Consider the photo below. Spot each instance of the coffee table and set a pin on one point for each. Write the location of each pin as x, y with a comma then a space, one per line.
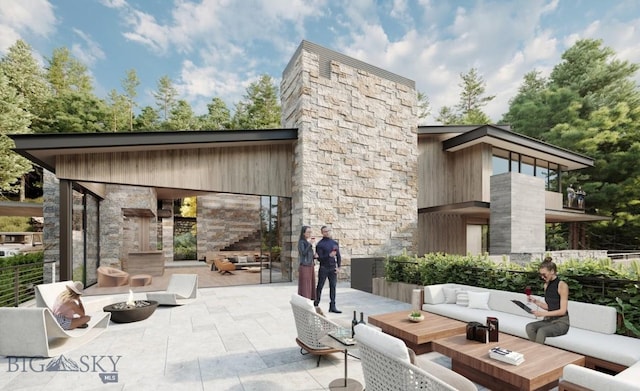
540, 371
418, 335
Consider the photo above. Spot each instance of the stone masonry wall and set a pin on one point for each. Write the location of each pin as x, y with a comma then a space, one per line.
356, 156
113, 223
224, 219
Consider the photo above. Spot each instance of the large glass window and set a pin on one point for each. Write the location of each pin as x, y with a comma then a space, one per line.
505, 161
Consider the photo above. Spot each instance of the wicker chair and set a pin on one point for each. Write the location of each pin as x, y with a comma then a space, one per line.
311, 327
386, 365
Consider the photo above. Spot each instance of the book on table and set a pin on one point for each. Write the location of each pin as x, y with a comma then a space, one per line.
505, 355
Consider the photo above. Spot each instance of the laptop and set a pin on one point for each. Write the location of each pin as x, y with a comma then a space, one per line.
523, 306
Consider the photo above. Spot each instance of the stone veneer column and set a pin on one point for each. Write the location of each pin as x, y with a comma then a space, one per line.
517, 223
356, 156
51, 226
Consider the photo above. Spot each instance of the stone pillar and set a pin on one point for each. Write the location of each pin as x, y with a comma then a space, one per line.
167, 231
517, 222
51, 226
356, 156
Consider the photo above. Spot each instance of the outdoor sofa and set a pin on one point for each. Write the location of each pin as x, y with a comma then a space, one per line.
577, 378
592, 331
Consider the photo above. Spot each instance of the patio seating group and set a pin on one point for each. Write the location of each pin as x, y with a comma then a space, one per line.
592, 331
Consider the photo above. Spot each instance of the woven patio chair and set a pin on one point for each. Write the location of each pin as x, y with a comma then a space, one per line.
311, 327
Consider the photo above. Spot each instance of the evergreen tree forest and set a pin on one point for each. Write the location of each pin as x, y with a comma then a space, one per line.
589, 104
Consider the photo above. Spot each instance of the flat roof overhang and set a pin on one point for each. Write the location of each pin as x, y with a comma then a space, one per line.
23, 209
482, 210
503, 138
43, 149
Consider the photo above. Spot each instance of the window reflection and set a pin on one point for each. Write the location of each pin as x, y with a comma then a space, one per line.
506, 161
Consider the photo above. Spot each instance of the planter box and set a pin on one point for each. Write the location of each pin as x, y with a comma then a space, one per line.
400, 291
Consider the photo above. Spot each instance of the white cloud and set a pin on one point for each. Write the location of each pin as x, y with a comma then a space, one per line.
19, 19
88, 53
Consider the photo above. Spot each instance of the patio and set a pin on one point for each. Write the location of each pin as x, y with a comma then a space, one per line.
231, 338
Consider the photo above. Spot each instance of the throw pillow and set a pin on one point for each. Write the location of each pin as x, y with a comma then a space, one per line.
462, 298
450, 294
479, 300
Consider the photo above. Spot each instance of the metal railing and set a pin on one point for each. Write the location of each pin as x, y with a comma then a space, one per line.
17, 282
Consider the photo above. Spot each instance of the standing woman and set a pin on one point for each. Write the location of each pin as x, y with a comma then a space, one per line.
555, 304
306, 272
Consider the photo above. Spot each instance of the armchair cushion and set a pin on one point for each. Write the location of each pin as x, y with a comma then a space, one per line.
385, 343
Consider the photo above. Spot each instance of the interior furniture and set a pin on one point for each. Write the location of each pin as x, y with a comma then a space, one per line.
110, 277
576, 378
182, 289
388, 365
541, 369
140, 280
592, 332
311, 327
240, 259
417, 336
144, 262
224, 267
35, 332
125, 313
345, 383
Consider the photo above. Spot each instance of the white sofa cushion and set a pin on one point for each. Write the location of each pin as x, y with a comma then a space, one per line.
479, 300
462, 298
592, 317
609, 347
450, 294
382, 342
303, 302
598, 381
433, 294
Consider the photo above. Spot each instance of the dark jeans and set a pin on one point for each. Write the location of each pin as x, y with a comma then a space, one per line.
323, 274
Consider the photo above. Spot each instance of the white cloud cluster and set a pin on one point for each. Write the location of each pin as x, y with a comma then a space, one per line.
21, 18
221, 46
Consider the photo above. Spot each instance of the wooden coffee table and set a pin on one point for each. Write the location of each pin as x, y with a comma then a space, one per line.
540, 371
418, 335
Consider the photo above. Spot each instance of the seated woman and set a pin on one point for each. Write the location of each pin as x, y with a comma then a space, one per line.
556, 301
68, 308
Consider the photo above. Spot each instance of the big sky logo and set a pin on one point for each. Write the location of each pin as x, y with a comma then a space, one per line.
104, 366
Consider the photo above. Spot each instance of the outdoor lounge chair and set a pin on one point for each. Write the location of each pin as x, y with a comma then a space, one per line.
182, 289
110, 276
35, 332
224, 267
311, 327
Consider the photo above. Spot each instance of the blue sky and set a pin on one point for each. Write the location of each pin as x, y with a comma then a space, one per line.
216, 48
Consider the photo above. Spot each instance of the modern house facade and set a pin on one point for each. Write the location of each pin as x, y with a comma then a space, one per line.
350, 155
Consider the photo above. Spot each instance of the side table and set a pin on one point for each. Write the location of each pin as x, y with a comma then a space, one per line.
345, 384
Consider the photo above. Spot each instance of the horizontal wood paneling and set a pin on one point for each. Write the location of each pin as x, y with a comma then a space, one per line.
258, 169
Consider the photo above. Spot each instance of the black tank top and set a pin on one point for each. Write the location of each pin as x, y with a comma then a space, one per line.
551, 295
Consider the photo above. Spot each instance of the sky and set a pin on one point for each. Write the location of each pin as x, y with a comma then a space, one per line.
217, 48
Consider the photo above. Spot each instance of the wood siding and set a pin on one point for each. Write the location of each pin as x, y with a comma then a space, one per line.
257, 169
452, 177
442, 233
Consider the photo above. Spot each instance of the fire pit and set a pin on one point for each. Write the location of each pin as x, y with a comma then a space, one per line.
131, 310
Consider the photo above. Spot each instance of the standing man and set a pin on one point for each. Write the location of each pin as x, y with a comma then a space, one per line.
329, 255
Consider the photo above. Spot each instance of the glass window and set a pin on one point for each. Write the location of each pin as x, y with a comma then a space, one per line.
526, 165
500, 161
553, 182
